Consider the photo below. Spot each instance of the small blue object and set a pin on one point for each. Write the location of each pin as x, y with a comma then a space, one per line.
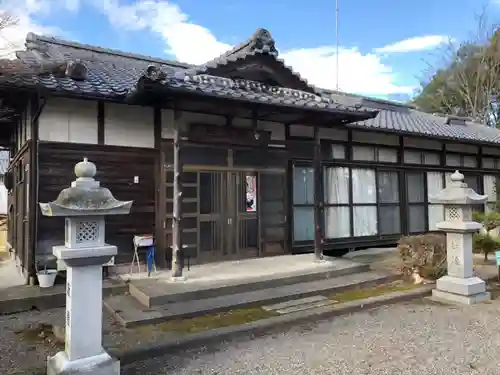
151, 258
497, 256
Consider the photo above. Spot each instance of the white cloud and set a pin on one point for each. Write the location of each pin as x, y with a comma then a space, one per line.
418, 43
188, 42
192, 43
13, 37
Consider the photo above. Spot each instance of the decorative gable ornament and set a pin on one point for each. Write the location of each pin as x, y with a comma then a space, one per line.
263, 41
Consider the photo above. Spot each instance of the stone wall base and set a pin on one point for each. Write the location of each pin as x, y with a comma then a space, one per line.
101, 364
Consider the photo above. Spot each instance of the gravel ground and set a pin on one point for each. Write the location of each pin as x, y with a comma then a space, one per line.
413, 338
21, 355
419, 337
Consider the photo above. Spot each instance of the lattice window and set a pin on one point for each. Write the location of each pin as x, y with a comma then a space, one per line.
453, 213
87, 231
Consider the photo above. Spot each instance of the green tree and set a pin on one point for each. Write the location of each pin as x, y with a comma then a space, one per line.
468, 78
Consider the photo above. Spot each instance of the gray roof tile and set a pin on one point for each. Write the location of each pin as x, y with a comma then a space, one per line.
406, 119
115, 74
261, 43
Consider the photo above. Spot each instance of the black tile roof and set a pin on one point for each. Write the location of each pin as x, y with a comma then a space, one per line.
401, 118
114, 74
261, 43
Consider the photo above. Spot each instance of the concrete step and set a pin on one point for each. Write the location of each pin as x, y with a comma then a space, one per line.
129, 312
156, 292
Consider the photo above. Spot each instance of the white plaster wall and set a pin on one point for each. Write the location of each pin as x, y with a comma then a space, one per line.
126, 125
69, 120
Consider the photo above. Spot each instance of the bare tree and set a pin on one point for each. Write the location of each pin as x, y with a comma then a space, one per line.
7, 20
467, 78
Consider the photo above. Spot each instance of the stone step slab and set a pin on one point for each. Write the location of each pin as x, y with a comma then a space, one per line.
304, 306
294, 302
129, 312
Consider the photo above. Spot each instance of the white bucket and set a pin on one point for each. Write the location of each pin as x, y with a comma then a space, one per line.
47, 278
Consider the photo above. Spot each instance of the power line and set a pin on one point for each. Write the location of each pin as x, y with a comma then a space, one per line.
337, 43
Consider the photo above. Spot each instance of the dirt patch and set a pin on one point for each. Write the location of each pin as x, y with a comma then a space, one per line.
42, 334
362, 293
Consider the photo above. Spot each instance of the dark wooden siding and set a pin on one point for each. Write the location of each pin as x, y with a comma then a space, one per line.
18, 208
116, 168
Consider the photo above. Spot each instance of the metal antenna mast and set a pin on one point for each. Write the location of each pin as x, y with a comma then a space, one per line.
337, 43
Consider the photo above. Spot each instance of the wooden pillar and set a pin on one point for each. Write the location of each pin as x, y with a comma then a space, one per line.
160, 196
177, 257
318, 238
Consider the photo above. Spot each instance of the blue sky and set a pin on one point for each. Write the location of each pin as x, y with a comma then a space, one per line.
384, 44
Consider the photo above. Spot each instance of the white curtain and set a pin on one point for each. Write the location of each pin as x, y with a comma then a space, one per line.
337, 219
337, 222
365, 221
434, 186
364, 191
337, 186
363, 186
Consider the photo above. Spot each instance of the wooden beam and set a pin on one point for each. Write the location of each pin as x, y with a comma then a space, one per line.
157, 126
160, 193
318, 237
100, 123
37, 105
177, 256
229, 121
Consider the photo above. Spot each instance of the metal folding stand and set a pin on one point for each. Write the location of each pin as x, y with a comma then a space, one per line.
142, 241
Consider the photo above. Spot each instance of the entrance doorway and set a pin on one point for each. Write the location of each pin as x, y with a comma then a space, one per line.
229, 220
229, 212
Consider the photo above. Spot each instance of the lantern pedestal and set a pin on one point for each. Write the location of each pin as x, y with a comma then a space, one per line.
465, 291
101, 364
84, 206
83, 353
459, 285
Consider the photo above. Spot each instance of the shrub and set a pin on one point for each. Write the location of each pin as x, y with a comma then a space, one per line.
425, 253
485, 243
490, 220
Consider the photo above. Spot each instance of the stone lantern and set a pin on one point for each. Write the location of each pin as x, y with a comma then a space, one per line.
459, 285
84, 205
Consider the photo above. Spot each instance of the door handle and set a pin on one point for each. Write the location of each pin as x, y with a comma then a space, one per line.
230, 221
